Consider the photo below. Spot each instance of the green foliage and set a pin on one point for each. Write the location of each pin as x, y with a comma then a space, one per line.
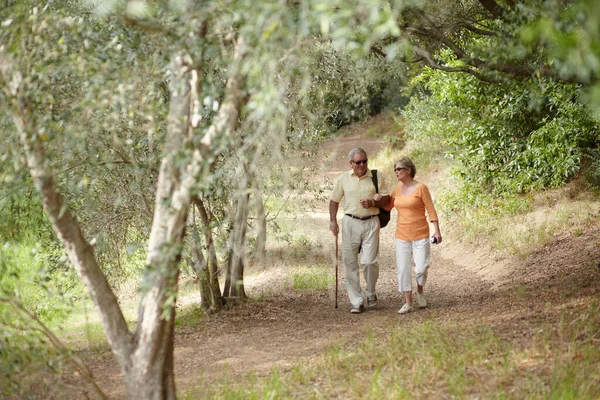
593, 170
510, 138
99, 101
23, 358
570, 35
21, 213
38, 279
347, 88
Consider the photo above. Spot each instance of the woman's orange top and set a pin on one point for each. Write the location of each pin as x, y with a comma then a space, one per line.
412, 223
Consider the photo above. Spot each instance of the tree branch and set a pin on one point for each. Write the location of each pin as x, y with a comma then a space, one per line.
436, 65
477, 67
479, 31
146, 26
493, 7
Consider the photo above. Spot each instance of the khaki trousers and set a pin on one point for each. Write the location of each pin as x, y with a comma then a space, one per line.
363, 235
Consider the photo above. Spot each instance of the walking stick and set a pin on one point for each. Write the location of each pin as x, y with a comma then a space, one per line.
336, 270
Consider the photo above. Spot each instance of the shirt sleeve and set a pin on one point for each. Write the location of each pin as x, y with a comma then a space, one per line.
338, 191
429, 204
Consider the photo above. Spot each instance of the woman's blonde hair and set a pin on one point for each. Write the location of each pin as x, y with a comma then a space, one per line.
406, 162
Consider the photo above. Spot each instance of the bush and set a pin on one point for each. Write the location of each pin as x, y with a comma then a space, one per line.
348, 89
39, 280
513, 137
593, 171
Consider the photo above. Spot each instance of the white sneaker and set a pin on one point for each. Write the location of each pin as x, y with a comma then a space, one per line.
357, 310
421, 300
406, 308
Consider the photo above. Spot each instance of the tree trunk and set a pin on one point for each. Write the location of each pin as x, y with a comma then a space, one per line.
228, 268
259, 252
151, 375
80, 252
146, 358
216, 298
199, 264
239, 248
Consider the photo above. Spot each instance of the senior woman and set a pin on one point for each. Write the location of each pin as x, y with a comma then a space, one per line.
412, 200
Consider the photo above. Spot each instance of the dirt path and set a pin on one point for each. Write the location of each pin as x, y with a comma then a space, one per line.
287, 327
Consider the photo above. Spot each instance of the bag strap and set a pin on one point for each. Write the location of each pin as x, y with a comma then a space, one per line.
374, 172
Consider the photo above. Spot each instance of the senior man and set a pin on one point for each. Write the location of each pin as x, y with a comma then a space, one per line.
360, 227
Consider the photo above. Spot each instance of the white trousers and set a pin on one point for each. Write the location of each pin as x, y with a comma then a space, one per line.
417, 250
363, 235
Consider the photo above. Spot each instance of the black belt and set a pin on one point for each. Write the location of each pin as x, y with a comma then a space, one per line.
361, 218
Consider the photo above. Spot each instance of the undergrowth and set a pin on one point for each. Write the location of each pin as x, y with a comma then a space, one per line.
443, 359
309, 278
510, 222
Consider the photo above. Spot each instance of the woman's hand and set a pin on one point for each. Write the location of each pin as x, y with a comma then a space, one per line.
437, 233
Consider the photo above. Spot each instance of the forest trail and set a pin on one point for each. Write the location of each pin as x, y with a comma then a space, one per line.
280, 327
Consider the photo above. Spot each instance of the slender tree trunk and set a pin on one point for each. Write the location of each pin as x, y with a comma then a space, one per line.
153, 353
216, 299
199, 264
239, 248
229, 262
259, 252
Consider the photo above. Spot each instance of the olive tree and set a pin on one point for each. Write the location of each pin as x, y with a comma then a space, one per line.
54, 105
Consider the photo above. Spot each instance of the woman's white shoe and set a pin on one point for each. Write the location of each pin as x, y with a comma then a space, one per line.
405, 309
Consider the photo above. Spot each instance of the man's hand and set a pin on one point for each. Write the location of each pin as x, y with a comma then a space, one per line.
368, 203
334, 228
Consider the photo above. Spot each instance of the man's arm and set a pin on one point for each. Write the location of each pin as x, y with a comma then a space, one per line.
333, 210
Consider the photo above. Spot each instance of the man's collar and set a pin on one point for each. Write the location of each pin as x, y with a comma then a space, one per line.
368, 173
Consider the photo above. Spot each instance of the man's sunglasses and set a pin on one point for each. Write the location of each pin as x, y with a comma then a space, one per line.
399, 169
360, 162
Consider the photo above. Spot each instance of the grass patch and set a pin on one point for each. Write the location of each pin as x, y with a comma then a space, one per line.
189, 316
437, 359
309, 278
380, 125
524, 232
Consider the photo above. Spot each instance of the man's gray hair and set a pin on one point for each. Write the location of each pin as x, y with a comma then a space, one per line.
357, 150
